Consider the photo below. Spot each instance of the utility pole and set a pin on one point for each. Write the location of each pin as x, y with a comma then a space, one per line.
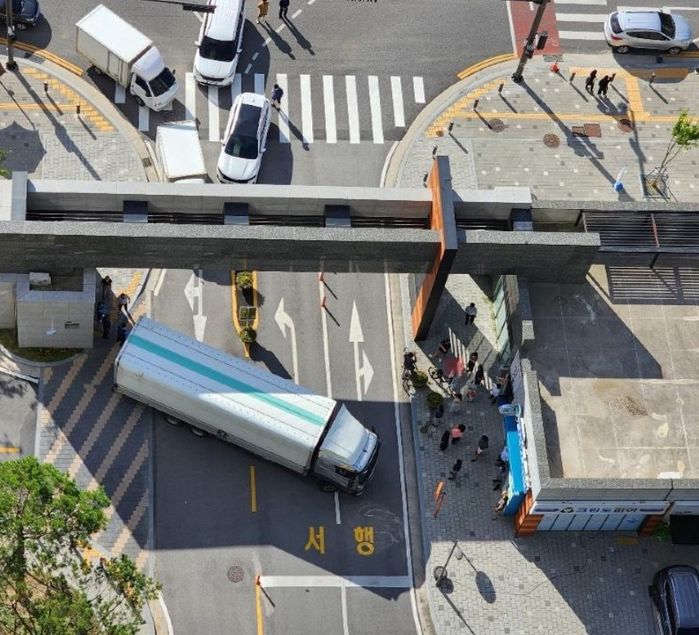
528, 49
11, 37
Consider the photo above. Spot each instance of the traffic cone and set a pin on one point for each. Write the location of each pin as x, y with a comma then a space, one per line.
554, 67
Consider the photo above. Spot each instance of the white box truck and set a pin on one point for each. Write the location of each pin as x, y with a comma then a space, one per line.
121, 51
246, 405
178, 150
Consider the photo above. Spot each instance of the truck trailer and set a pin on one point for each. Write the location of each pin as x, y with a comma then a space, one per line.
244, 404
179, 154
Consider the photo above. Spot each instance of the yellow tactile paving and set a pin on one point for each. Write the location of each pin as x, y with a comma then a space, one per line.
141, 559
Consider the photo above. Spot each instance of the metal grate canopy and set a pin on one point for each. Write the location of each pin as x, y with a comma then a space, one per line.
651, 230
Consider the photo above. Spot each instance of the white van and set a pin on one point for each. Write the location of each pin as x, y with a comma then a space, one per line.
220, 43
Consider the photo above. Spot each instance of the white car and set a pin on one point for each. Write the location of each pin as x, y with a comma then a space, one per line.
244, 139
626, 30
220, 43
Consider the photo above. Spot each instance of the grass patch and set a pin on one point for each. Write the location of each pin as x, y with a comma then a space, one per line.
8, 338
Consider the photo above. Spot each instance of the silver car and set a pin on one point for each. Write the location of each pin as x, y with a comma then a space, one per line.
626, 30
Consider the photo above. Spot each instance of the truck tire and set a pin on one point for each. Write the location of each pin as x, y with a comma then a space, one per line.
172, 421
328, 487
197, 432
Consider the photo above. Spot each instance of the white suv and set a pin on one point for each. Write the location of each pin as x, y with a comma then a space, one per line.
625, 30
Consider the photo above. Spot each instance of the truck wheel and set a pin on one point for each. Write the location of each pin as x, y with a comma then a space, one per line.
328, 487
20, 26
172, 421
139, 101
98, 71
197, 432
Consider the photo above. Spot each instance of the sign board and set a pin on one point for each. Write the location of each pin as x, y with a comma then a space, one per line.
599, 507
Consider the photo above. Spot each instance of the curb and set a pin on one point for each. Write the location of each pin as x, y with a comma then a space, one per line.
105, 107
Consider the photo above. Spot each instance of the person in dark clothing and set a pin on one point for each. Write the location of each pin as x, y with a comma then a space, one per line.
121, 333
457, 432
482, 446
603, 86
283, 8
590, 82
106, 286
480, 374
409, 361
277, 94
455, 470
444, 442
472, 360
106, 327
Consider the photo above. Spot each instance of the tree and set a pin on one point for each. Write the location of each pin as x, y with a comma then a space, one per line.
685, 135
46, 587
4, 172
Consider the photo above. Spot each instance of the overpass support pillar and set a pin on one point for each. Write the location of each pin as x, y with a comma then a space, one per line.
443, 221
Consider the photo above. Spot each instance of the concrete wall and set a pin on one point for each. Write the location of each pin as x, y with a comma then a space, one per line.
495, 204
56, 319
519, 311
8, 287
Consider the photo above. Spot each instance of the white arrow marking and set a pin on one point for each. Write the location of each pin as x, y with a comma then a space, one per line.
194, 289
283, 320
365, 370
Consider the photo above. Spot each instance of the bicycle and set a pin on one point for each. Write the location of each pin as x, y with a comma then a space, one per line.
445, 383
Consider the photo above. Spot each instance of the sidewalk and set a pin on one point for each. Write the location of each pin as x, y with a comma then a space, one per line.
524, 134
44, 135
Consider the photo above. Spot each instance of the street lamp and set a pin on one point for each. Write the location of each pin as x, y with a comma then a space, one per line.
528, 50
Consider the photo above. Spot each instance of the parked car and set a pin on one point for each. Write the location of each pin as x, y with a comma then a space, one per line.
626, 30
220, 43
675, 594
244, 139
25, 13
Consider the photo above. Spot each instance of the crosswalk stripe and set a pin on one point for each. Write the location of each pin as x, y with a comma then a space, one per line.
419, 90
581, 35
397, 95
306, 109
143, 118
352, 108
259, 83
585, 2
375, 107
214, 127
329, 104
190, 96
236, 86
581, 17
119, 95
283, 121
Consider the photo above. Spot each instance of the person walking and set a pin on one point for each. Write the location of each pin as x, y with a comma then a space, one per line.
123, 302
470, 313
106, 286
455, 470
479, 376
121, 333
590, 81
283, 8
457, 432
472, 360
444, 441
481, 447
106, 326
277, 94
501, 504
603, 86
262, 9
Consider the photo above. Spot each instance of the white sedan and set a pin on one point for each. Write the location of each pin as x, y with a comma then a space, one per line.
244, 139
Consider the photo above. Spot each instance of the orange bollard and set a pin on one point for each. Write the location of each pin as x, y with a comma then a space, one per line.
322, 301
321, 276
554, 67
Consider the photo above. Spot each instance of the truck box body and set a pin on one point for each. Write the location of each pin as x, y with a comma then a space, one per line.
110, 43
179, 152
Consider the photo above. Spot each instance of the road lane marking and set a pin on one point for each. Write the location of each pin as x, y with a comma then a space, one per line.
214, 126
253, 490
337, 581
236, 86
259, 83
397, 96
306, 109
119, 95
343, 601
296, 15
338, 519
159, 284
283, 120
419, 90
190, 96
581, 35
352, 108
143, 118
258, 609
375, 107
329, 105
581, 17
247, 69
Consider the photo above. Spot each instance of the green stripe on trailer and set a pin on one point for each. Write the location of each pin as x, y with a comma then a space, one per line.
226, 380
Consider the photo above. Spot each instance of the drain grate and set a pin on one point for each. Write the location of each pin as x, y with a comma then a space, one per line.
236, 574
497, 125
551, 140
625, 125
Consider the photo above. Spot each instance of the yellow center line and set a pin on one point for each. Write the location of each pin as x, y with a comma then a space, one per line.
253, 490
8, 450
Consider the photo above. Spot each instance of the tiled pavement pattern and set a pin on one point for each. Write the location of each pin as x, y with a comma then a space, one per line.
573, 583
99, 437
44, 136
512, 151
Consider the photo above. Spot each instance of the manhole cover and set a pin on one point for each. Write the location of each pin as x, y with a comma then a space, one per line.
625, 125
497, 125
551, 141
236, 574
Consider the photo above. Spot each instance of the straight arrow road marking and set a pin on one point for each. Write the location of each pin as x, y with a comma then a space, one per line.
194, 289
364, 370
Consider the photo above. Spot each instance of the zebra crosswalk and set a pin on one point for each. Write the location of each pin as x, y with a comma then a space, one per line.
581, 24
325, 108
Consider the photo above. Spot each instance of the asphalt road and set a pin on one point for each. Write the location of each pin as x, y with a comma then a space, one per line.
387, 40
208, 527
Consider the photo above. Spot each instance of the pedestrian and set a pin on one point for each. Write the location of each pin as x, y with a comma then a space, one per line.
121, 333
123, 302
470, 312
409, 361
262, 9
106, 326
455, 470
481, 447
457, 432
494, 393
479, 376
471, 392
283, 8
106, 286
590, 82
603, 86
443, 348
277, 94
100, 311
501, 504
472, 360
444, 442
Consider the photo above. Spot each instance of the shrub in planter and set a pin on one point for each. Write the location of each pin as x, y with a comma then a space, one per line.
434, 400
243, 280
247, 335
419, 379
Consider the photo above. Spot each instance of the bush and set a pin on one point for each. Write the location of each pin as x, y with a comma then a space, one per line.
247, 335
419, 378
434, 400
243, 280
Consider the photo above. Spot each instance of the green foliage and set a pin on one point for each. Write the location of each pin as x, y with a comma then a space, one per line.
4, 172
243, 280
434, 400
419, 378
685, 135
247, 335
45, 585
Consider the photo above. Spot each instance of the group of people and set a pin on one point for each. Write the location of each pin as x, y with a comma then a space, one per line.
602, 86
263, 10
102, 312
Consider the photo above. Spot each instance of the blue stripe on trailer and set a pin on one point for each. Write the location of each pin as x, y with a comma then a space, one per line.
226, 380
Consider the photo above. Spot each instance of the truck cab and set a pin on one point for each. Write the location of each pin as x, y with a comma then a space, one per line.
347, 455
152, 83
